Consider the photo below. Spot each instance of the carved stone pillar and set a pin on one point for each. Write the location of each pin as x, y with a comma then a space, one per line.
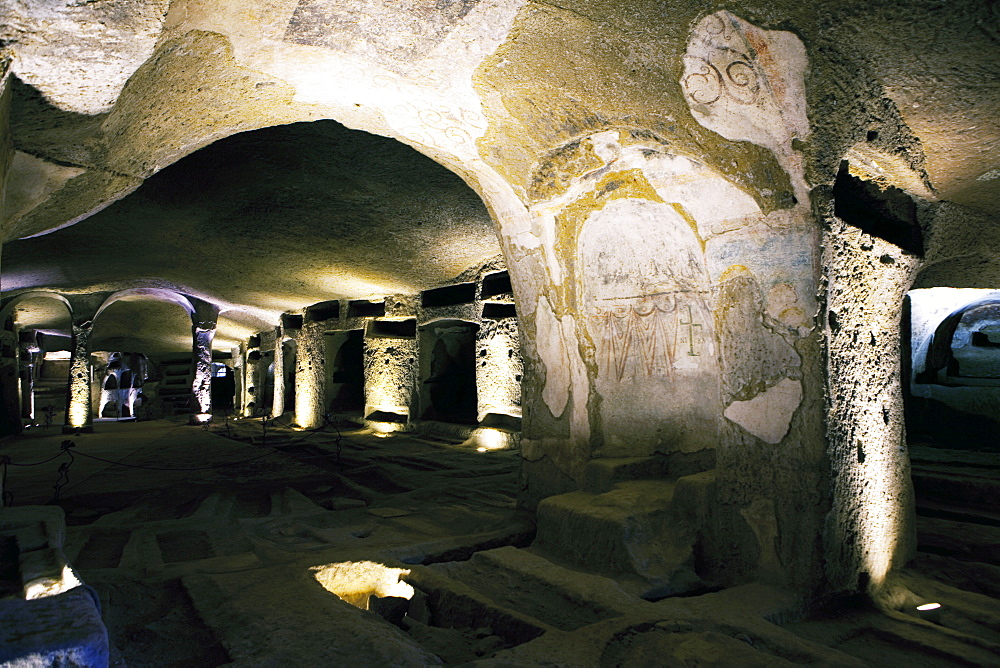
204, 320
78, 411
278, 400
310, 376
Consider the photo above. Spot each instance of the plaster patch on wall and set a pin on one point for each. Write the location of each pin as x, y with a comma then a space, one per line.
552, 351
757, 351
769, 414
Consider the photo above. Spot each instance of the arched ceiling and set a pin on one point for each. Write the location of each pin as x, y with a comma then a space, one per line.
143, 325
44, 314
271, 220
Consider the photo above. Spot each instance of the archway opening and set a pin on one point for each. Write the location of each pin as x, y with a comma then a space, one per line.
448, 371
36, 360
953, 388
146, 342
223, 387
345, 354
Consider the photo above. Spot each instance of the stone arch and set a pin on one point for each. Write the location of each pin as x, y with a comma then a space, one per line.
9, 304
940, 358
160, 294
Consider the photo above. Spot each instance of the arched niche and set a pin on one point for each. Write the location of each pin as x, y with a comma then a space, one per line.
49, 315
223, 387
639, 255
645, 291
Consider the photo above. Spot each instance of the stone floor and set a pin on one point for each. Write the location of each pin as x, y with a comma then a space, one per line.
223, 545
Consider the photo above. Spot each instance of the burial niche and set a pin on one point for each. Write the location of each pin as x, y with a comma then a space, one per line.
448, 371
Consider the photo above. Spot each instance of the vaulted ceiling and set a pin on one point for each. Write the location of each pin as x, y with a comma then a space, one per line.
262, 222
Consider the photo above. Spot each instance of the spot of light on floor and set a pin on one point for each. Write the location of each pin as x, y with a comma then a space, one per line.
487, 439
356, 581
383, 429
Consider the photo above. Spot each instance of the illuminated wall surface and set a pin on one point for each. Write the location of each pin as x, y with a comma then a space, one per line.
310, 377
499, 368
390, 374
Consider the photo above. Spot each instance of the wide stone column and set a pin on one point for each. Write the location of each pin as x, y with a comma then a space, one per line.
78, 410
203, 325
310, 376
252, 381
278, 398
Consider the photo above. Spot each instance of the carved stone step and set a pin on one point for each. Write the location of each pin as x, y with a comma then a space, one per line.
634, 529
601, 475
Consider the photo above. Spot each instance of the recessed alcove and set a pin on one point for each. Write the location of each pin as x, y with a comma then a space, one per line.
345, 355
953, 393
392, 329
449, 295
291, 320
448, 371
223, 387
363, 308
497, 283
498, 311
329, 310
